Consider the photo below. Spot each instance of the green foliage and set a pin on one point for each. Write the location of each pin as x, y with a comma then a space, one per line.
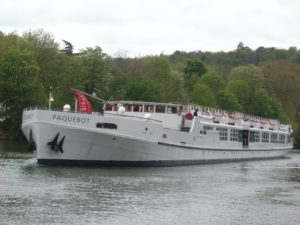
277, 109
189, 83
194, 69
44, 48
214, 81
40, 39
19, 84
117, 88
173, 88
203, 95
266, 106
195, 66
158, 69
251, 74
241, 90
263, 82
143, 89
95, 69
68, 48
229, 101
282, 80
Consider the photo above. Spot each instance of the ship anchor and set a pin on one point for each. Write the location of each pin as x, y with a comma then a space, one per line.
32, 144
57, 146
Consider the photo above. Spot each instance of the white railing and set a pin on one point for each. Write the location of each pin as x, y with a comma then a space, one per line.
233, 115
93, 113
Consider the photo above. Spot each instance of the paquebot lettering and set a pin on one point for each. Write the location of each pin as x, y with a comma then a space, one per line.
73, 119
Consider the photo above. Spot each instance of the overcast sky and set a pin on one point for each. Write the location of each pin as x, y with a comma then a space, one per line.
152, 27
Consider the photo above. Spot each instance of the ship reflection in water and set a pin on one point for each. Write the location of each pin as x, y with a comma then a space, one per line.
256, 192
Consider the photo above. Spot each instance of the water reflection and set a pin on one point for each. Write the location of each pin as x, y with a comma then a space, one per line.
293, 173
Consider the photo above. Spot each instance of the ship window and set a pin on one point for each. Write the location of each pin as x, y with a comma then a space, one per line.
222, 133
137, 108
110, 125
160, 108
265, 137
254, 136
240, 136
274, 138
128, 108
106, 125
205, 127
171, 109
149, 108
281, 138
99, 125
234, 134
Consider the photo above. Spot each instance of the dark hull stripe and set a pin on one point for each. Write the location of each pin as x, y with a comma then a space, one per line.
67, 162
224, 149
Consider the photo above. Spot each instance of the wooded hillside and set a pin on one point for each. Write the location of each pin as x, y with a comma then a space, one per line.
263, 82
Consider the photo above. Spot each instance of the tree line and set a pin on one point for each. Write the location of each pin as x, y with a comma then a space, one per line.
263, 82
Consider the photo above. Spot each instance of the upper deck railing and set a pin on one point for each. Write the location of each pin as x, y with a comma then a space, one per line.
186, 108
93, 113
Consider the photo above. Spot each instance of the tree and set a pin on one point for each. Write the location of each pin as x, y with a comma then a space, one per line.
143, 89
195, 66
214, 81
229, 101
19, 84
68, 48
203, 95
240, 45
7, 41
158, 69
241, 90
45, 51
251, 74
283, 81
41, 39
266, 106
277, 109
95, 68
117, 88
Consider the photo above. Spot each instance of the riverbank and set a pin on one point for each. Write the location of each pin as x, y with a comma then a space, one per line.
5, 135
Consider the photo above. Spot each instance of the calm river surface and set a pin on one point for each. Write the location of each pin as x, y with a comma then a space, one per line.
256, 192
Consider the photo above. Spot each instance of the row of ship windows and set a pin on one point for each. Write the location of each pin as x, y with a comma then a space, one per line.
144, 108
237, 135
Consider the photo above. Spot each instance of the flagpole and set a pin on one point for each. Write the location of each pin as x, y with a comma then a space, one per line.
76, 102
50, 96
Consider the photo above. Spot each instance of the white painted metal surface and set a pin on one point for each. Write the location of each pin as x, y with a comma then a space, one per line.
124, 138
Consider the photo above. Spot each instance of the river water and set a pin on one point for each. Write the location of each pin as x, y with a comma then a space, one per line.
256, 192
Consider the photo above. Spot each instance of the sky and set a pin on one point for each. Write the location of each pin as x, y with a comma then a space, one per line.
138, 27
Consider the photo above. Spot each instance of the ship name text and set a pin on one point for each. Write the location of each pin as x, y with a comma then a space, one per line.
73, 119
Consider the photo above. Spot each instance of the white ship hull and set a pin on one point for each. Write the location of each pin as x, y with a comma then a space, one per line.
144, 143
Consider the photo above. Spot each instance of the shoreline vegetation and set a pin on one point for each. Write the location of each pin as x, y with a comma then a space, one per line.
263, 82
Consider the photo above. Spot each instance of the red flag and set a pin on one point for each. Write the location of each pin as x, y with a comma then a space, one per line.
84, 105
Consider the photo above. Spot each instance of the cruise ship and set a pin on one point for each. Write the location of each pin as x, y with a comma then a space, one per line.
136, 133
